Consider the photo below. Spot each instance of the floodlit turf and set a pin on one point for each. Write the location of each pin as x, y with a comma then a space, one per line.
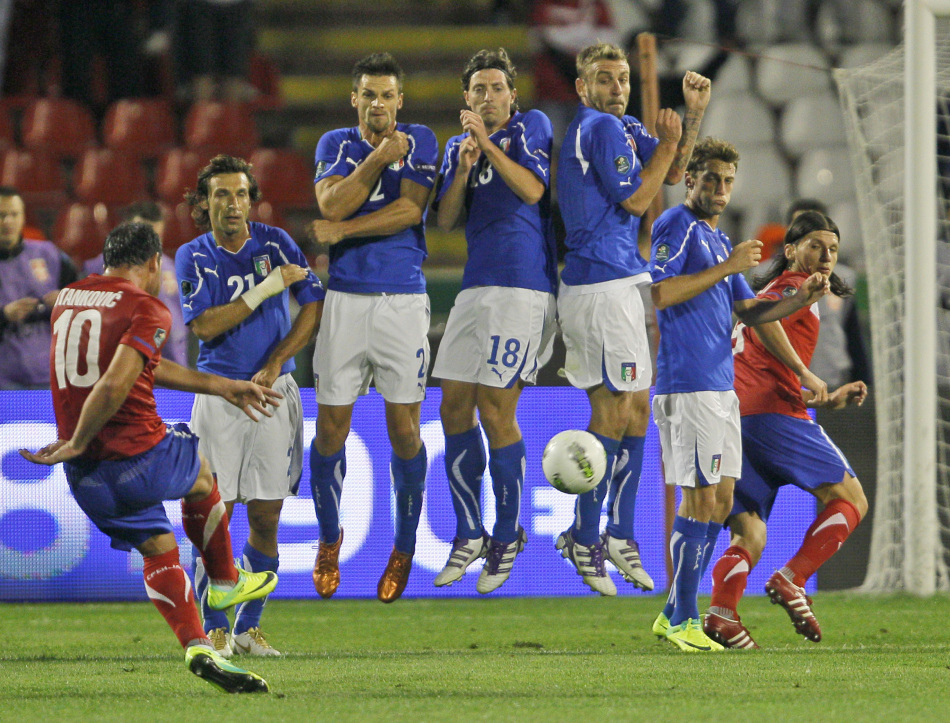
555, 659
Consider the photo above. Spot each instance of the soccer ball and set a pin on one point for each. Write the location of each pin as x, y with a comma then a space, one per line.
574, 461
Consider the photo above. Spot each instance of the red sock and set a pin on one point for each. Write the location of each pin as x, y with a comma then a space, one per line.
206, 524
823, 539
169, 588
729, 577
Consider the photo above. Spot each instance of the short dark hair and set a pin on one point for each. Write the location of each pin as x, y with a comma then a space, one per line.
377, 64
146, 210
131, 244
804, 204
491, 60
711, 149
9, 192
218, 166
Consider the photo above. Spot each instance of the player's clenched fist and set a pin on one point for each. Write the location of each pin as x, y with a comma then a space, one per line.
696, 90
746, 255
669, 127
326, 232
815, 286
393, 147
468, 154
292, 273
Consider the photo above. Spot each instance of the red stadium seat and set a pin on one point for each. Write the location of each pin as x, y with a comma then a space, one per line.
80, 230
177, 171
265, 212
179, 227
140, 128
36, 175
59, 126
106, 176
284, 177
212, 127
7, 139
265, 77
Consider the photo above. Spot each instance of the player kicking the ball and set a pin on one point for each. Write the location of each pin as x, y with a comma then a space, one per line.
122, 462
495, 179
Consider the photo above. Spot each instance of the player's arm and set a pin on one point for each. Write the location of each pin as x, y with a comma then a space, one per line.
340, 197
243, 395
775, 340
753, 312
392, 218
677, 289
216, 320
852, 393
451, 207
669, 128
696, 93
522, 181
302, 331
103, 402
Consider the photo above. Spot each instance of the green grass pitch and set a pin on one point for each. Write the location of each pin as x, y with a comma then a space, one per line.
541, 659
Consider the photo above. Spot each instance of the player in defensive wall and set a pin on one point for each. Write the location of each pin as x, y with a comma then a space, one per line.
609, 171
372, 184
781, 445
235, 282
495, 179
697, 285
121, 460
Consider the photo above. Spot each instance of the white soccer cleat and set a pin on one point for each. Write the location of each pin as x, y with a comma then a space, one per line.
252, 642
219, 641
464, 553
625, 556
500, 558
589, 561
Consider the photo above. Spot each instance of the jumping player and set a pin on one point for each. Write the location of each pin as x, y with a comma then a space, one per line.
233, 283
121, 461
781, 445
372, 185
495, 179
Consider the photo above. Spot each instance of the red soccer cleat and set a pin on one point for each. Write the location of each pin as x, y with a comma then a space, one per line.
784, 592
728, 633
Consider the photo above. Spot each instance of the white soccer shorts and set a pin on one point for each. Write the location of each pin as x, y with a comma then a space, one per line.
605, 336
367, 337
496, 335
259, 460
703, 427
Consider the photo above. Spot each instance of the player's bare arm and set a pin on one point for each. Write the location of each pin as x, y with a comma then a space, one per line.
392, 218
525, 185
340, 197
753, 312
302, 332
218, 319
696, 92
246, 396
775, 340
451, 213
669, 129
677, 289
103, 402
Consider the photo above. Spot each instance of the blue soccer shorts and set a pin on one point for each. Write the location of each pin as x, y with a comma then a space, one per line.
779, 450
123, 498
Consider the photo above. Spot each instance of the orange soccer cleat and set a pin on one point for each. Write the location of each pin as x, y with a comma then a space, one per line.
326, 568
395, 576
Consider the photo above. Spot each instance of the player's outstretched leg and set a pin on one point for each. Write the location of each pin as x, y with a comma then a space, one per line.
250, 586
589, 562
464, 553
501, 556
784, 592
326, 568
730, 573
223, 675
728, 632
395, 576
620, 547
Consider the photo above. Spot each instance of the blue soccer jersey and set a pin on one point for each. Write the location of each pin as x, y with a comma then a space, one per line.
510, 243
209, 275
598, 168
379, 264
695, 353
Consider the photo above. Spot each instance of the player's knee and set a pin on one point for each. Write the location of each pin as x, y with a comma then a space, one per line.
404, 437
204, 482
456, 416
264, 522
497, 422
331, 436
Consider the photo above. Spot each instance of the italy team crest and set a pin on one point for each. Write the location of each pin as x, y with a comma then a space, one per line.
262, 265
715, 464
628, 371
504, 143
397, 165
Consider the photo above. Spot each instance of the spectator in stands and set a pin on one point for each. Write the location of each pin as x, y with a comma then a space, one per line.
176, 348
31, 275
214, 40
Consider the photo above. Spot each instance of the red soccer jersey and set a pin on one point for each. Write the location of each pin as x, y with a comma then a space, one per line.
90, 319
763, 384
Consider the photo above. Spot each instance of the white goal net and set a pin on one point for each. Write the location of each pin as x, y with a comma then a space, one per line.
873, 98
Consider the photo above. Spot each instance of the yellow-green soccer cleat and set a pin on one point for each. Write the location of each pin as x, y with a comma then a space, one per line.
661, 625
689, 637
250, 586
222, 674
